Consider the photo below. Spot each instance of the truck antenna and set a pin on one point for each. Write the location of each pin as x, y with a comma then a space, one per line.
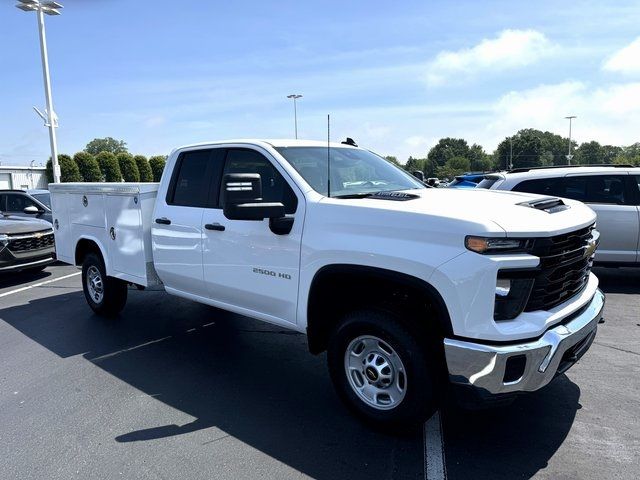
328, 155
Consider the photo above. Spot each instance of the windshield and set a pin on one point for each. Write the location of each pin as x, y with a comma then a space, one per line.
353, 171
44, 198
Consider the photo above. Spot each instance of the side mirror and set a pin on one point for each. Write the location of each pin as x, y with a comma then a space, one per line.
31, 210
418, 174
242, 198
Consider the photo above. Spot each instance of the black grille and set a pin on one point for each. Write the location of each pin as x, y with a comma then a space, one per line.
33, 241
564, 269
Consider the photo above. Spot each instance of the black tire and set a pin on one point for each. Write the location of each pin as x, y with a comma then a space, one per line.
114, 291
420, 398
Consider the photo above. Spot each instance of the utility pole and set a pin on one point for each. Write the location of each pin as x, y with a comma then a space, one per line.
569, 156
49, 117
295, 97
510, 166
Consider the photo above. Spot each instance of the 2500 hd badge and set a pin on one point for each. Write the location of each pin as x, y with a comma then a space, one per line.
271, 273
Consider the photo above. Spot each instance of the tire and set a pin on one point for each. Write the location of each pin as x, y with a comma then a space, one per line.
105, 295
409, 385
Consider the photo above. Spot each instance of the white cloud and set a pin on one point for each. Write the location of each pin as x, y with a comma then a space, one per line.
510, 49
608, 114
625, 60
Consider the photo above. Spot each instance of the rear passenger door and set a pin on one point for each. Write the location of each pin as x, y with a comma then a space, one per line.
177, 229
613, 199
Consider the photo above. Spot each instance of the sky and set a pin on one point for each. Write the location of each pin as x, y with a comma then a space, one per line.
395, 76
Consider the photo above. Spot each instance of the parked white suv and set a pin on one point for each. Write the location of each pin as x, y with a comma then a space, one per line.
611, 191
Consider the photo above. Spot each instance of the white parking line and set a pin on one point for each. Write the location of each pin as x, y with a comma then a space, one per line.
18, 290
435, 467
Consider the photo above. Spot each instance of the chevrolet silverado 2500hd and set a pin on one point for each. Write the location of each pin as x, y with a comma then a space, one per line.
410, 290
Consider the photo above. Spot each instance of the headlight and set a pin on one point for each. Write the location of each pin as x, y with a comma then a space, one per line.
486, 245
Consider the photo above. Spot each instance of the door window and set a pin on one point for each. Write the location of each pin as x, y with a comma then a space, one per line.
541, 186
191, 181
274, 187
17, 203
601, 189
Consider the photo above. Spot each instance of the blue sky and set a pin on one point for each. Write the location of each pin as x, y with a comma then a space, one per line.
396, 76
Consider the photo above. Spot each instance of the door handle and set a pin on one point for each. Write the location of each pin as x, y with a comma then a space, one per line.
163, 221
214, 226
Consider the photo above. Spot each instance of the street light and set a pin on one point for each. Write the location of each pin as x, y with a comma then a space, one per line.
49, 117
569, 156
295, 97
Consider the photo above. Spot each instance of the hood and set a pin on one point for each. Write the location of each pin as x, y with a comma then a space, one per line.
15, 225
511, 213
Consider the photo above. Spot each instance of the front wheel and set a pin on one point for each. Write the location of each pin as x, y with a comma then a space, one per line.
381, 370
105, 295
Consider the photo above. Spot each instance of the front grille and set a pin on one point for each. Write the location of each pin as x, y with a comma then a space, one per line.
564, 269
31, 241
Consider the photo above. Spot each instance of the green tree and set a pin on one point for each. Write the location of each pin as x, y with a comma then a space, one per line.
109, 167
415, 164
392, 159
446, 149
88, 167
146, 175
157, 166
128, 167
590, 153
609, 152
453, 167
107, 144
479, 160
68, 169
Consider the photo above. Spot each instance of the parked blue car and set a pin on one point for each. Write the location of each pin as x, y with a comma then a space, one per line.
467, 180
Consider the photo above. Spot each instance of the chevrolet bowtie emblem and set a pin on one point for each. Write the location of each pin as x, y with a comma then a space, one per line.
590, 249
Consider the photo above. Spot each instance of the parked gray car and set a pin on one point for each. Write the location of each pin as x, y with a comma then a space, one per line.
30, 203
25, 244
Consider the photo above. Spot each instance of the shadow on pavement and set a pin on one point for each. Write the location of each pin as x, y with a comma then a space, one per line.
18, 278
254, 382
618, 280
511, 442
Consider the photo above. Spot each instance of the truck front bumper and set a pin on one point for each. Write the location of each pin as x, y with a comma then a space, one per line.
482, 372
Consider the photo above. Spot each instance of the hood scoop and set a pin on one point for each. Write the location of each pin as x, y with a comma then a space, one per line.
547, 204
397, 196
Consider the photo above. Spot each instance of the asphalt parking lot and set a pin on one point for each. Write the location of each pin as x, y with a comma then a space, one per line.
174, 389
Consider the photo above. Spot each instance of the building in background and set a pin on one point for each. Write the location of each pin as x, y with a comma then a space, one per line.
22, 178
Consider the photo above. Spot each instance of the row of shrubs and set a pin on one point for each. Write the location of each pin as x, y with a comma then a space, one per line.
107, 167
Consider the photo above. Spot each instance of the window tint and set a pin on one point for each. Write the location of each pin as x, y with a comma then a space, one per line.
541, 186
588, 188
487, 182
274, 186
191, 179
17, 202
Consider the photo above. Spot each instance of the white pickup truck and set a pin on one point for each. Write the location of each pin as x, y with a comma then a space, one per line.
412, 291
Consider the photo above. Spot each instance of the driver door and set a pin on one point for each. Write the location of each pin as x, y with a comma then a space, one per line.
247, 267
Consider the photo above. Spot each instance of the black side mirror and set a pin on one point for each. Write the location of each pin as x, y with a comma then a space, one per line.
418, 174
31, 210
242, 198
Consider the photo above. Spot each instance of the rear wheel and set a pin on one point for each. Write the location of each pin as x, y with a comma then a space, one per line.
105, 295
381, 370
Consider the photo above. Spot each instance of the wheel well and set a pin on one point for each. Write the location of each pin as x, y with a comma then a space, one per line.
337, 289
84, 247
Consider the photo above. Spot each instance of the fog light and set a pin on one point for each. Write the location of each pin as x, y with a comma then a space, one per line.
503, 287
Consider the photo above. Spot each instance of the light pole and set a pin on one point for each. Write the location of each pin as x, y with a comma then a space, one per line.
49, 117
569, 156
295, 97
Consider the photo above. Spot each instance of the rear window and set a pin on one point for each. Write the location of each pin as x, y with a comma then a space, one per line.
488, 182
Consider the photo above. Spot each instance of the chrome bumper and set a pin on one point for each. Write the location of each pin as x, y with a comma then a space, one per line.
482, 367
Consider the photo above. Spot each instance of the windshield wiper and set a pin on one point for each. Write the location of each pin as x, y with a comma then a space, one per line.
355, 195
